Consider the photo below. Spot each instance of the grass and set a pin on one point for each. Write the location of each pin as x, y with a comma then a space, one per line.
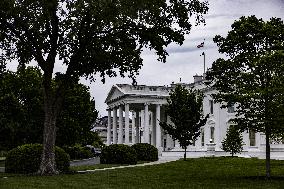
2, 163
193, 173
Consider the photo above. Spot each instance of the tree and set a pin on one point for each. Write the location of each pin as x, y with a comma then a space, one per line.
21, 111
233, 142
76, 119
252, 75
185, 111
90, 37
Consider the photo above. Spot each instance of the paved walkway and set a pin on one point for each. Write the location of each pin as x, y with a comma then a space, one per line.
90, 161
160, 161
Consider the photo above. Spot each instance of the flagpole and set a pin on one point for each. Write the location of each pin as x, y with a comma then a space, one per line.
203, 53
204, 62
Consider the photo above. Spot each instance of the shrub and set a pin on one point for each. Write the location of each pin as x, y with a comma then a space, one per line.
78, 152
118, 154
26, 159
3, 153
145, 152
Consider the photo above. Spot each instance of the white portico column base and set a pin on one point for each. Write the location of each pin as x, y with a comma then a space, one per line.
120, 129
109, 128
126, 124
146, 124
114, 126
158, 127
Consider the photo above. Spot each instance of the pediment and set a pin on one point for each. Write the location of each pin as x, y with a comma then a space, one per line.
113, 94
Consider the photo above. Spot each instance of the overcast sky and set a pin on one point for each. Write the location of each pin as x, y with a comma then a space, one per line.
185, 61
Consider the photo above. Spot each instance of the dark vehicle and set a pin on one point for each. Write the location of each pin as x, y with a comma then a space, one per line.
95, 151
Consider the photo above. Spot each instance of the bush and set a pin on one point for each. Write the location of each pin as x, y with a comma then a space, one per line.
26, 159
145, 152
118, 154
3, 153
78, 152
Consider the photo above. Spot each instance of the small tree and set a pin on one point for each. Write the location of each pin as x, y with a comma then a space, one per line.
185, 110
233, 142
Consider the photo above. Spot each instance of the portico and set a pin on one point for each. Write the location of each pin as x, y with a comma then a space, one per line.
143, 105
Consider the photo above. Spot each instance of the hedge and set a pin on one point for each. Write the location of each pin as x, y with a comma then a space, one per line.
26, 159
78, 152
145, 152
118, 154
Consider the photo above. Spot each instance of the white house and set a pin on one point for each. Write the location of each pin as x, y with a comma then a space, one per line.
145, 105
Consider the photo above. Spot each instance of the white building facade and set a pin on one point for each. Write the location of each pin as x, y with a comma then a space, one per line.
145, 106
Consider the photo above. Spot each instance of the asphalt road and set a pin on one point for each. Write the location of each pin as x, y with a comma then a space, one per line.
91, 161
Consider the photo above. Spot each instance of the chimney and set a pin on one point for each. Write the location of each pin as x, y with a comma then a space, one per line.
197, 78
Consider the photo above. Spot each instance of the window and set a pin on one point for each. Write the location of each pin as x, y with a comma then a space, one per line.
252, 138
202, 137
212, 129
231, 107
211, 106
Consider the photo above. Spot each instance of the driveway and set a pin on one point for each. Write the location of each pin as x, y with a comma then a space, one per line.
90, 161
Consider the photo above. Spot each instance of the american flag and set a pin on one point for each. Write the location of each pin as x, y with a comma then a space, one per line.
200, 45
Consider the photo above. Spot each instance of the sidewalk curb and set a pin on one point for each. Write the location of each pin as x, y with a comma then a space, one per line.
128, 166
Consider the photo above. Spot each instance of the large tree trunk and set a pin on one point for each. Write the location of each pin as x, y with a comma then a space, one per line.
48, 165
184, 156
267, 154
52, 104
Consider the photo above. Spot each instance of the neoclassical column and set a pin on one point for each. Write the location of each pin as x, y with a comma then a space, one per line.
120, 128
146, 123
142, 114
126, 124
114, 125
137, 124
133, 128
109, 127
153, 129
158, 127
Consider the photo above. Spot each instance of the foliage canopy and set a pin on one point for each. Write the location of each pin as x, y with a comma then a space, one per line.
22, 114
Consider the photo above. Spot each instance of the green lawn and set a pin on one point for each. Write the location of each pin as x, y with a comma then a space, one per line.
194, 173
2, 163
